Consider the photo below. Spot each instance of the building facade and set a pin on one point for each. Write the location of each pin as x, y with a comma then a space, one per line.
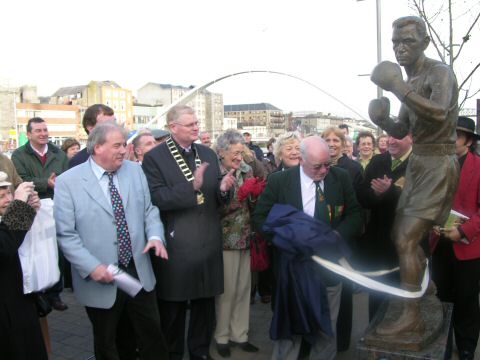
208, 106
63, 121
98, 92
269, 118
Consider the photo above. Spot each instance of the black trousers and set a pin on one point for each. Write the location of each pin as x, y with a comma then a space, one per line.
200, 327
144, 316
457, 282
345, 313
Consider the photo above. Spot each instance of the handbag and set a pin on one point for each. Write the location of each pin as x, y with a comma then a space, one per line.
42, 304
259, 259
39, 252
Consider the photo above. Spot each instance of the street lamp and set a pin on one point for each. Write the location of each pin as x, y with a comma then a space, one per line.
379, 47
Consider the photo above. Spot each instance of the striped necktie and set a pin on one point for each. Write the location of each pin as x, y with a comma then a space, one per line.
321, 209
395, 163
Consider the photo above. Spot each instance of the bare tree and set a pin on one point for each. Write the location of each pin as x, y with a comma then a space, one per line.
444, 19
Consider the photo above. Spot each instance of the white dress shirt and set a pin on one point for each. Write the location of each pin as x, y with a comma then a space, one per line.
309, 192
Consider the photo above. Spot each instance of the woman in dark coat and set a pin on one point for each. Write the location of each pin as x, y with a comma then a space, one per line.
20, 334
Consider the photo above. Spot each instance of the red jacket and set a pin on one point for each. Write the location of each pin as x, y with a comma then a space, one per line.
467, 202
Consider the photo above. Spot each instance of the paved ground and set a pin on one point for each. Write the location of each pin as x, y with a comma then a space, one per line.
71, 334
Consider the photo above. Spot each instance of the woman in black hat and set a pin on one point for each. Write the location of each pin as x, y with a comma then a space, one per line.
456, 256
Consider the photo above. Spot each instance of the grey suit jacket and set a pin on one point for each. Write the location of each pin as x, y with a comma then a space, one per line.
86, 229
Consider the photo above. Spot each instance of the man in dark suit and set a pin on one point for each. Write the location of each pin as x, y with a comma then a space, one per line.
95, 114
185, 183
323, 192
379, 193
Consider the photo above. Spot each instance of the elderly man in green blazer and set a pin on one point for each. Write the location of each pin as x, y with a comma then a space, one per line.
323, 192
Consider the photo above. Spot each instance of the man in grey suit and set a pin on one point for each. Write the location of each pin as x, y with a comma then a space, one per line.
104, 216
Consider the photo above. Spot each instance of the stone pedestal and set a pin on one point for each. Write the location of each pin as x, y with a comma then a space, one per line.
431, 345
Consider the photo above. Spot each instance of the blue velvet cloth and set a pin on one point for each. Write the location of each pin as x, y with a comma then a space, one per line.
301, 306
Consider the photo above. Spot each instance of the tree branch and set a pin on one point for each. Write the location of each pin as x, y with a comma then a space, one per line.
469, 75
466, 37
434, 36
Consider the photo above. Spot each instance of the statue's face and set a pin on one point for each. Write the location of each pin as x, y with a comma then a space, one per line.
408, 45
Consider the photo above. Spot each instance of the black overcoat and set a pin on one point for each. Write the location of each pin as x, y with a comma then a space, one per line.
20, 334
194, 268
376, 247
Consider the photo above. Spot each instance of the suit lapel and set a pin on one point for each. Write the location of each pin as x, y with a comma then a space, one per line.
331, 190
124, 183
93, 189
466, 173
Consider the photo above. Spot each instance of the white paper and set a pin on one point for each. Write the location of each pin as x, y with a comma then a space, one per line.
460, 215
124, 281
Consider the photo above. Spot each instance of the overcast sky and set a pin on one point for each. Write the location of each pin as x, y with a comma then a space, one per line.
54, 44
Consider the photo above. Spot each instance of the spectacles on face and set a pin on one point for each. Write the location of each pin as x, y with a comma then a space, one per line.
318, 167
188, 126
237, 155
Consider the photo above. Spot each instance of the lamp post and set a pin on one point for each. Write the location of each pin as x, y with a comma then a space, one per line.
379, 47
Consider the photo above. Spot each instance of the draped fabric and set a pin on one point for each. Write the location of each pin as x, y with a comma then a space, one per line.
302, 306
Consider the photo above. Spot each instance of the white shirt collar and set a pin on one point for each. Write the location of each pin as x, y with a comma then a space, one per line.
98, 171
306, 180
41, 153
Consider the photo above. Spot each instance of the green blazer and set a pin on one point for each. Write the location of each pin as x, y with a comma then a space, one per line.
284, 188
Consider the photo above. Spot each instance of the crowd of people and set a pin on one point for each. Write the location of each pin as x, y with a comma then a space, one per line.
181, 212
189, 233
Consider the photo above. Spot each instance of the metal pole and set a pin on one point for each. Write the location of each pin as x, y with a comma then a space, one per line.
15, 119
379, 50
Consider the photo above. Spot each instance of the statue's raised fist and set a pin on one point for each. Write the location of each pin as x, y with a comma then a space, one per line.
387, 75
379, 110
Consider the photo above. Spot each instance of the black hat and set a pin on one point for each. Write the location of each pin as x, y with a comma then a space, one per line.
467, 125
159, 133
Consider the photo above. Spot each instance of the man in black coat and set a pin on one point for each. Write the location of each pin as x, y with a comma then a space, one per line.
325, 193
95, 114
186, 185
381, 189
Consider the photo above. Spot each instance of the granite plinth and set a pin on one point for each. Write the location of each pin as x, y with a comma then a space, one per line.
433, 342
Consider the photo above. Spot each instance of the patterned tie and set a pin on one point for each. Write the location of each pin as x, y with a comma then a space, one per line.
321, 209
123, 235
395, 163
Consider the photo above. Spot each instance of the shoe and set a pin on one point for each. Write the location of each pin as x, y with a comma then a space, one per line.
465, 355
223, 350
245, 346
201, 357
266, 299
58, 304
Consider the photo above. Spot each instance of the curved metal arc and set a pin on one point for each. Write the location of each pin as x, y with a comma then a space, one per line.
186, 97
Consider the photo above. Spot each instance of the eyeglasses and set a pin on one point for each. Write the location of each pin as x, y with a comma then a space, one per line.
325, 165
189, 126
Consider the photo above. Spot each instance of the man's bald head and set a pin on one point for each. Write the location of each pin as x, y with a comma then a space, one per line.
313, 145
315, 157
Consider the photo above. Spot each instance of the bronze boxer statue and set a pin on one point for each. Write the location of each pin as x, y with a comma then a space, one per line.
429, 111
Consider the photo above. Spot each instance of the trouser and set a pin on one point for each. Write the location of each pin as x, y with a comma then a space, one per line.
324, 347
344, 321
200, 327
458, 282
143, 313
233, 306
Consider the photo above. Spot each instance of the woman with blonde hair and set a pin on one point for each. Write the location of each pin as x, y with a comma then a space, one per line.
287, 150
